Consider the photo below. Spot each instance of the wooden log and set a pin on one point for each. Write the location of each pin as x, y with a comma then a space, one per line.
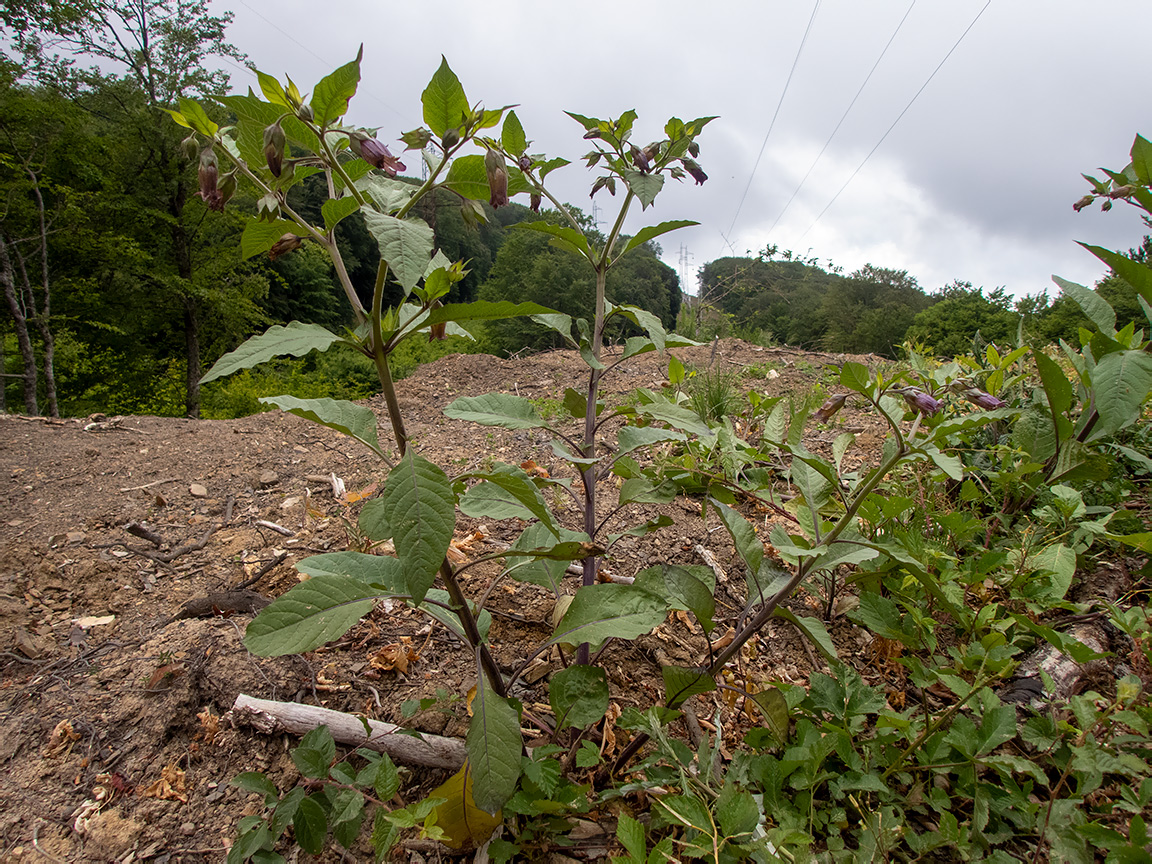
273, 718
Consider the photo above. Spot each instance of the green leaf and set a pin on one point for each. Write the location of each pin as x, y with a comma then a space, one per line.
814, 629
880, 615
463, 822
311, 613
311, 826
564, 237
736, 812
747, 544
468, 177
578, 696
687, 588
679, 417
1142, 159
295, 339
483, 310
1121, 383
599, 612
680, 684
642, 318
630, 438
406, 244
444, 101
545, 572
506, 489
449, 618
512, 135
330, 96
653, 231
1056, 385
335, 209
855, 376
686, 811
373, 521
377, 570
559, 322
315, 753
197, 118
644, 186
420, 509
494, 748
389, 193
997, 727
630, 833
1135, 273
254, 781
1060, 561
1094, 306
774, 707
496, 409
351, 419
259, 237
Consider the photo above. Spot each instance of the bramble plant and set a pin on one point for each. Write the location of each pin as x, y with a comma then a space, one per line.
917, 570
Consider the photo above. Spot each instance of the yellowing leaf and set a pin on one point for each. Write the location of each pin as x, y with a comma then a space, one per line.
464, 824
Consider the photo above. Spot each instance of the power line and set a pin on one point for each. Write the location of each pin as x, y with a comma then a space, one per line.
897, 120
843, 117
775, 114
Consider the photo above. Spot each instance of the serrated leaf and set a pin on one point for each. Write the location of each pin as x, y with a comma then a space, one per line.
599, 612
630, 833
419, 508
406, 244
310, 614
496, 409
351, 419
331, 94
311, 826
736, 811
259, 237
494, 748
881, 616
578, 696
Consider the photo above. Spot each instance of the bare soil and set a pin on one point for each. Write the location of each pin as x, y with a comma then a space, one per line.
115, 744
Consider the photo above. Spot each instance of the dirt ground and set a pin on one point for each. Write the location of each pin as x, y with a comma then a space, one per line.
115, 740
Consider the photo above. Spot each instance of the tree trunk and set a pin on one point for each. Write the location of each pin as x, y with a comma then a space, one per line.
42, 314
192, 348
8, 277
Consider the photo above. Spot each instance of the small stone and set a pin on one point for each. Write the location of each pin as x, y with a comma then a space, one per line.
198, 491
187, 829
269, 478
75, 536
289, 503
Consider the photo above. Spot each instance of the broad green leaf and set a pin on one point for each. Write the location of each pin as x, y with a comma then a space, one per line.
494, 748
389, 193
1094, 306
464, 824
1060, 561
747, 544
335, 209
880, 615
259, 237
496, 409
295, 339
381, 571
351, 419
813, 629
406, 244
774, 707
631, 438
639, 490
946, 462
311, 826
645, 319
1135, 273
599, 612
1121, 382
563, 237
512, 135
468, 178
444, 101
483, 310
688, 588
840, 447
315, 753
508, 489
578, 696
420, 510
253, 116
1141, 541
1142, 159
736, 811
330, 96
630, 833
679, 417
373, 521
559, 322
545, 572
644, 186
449, 618
1056, 385
855, 376
687, 811
254, 781
680, 684
311, 613
197, 118
653, 231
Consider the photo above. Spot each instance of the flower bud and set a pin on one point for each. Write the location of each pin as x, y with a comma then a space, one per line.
287, 243
524, 162
451, 139
695, 170
438, 332
209, 178
497, 178
1106, 206
829, 408
1083, 202
274, 142
304, 112
920, 401
694, 150
534, 202
983, 400
640, 159
1122, 191
190, 147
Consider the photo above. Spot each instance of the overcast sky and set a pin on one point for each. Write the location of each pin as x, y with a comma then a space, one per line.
975, 182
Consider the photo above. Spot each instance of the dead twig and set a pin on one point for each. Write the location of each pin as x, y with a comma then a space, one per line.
272, 526
150, 485
275, 562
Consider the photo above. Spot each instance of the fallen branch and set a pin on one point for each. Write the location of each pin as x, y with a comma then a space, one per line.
272, 526
274, 718
219, 602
